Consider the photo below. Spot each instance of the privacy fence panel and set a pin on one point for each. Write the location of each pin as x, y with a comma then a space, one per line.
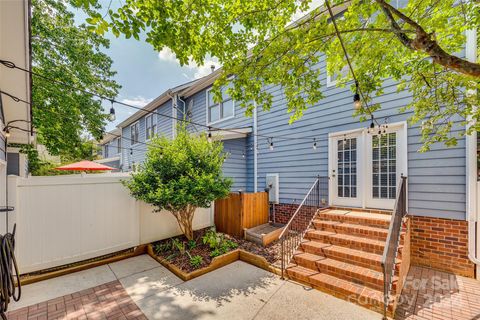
241, 211
66, 219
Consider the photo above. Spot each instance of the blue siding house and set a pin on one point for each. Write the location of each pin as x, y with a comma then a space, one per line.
362, 167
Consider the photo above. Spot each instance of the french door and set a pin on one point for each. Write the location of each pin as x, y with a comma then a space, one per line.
365, 168
346, 174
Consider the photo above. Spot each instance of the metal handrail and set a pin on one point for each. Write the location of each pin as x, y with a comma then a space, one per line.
296, 227
393, 241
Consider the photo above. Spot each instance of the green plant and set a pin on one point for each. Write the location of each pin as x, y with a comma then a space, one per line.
217, 242
191, 244
161, 247
178, 245
181, 175
196, 261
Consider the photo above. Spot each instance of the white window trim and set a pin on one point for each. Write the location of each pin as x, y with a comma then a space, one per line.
154, 121
220, 104
131, 140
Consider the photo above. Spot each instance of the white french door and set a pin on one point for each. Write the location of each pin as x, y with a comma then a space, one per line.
346, 174
365, 168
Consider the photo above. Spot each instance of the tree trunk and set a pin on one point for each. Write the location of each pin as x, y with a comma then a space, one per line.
185, 220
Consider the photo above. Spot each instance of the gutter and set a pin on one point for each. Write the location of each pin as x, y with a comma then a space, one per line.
471, 164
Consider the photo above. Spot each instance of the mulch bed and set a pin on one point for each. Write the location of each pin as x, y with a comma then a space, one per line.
270, 253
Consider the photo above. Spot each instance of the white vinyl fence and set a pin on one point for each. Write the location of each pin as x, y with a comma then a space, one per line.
65, 219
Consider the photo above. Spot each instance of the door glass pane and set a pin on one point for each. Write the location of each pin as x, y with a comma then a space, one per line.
384, 166
347, 168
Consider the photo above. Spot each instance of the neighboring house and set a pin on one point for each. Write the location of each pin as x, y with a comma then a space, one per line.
363, 167
14, 116
111, 150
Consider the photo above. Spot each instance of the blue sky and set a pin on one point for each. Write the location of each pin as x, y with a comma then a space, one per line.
142, 72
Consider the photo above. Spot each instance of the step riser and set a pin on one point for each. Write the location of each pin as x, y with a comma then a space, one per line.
363, 246
376, 235
349, 275
325, 252
371, 222
344, 294
360, 261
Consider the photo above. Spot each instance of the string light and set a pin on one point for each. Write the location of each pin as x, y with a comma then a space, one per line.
314, 144
111, 115
243, 155
357, 103
209, 135
271, 144
7, 132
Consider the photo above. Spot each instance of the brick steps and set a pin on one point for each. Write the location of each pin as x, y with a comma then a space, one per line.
342, 254
352, 292
356, 217
345, 254
350, 272
345, 240
375, 233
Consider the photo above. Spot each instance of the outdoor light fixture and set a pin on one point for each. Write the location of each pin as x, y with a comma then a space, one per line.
357, 103
7, 132
111, 115
314, 144
209, 137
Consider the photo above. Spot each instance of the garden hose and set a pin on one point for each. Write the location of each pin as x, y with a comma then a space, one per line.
9, 276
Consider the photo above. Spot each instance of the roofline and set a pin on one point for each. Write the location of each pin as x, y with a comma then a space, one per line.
109, 136
152, 105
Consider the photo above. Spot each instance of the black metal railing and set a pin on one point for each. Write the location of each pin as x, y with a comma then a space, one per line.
393, 241
296, 227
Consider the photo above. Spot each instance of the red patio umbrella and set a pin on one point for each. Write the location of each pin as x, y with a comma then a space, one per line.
84, 165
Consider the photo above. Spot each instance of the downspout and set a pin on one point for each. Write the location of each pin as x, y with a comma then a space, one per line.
471, 165
255, 151
174, 113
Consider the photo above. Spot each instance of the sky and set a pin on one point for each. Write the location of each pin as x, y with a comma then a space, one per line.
142, 72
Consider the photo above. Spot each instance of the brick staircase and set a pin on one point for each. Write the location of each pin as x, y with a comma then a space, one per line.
341, 255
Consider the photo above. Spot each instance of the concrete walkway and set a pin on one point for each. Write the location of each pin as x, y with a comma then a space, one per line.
237, 291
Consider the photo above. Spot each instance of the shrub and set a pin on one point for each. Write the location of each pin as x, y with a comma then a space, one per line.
181, 175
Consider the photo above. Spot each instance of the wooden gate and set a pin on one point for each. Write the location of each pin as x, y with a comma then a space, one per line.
241, 211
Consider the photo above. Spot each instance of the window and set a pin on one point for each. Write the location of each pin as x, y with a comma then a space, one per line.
219, 111
105, 152
384, 166
151, 126
119, 145
332, 79
347, 168
134, 133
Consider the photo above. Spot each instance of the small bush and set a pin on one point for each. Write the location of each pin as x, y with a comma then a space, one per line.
218, 243
196, 261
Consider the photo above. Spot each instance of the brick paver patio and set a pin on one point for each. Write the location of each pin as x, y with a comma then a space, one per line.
107, 301
435, 295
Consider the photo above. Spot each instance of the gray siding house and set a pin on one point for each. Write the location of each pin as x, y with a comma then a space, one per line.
362, 167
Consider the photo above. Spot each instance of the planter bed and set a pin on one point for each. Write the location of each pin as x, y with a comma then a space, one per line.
245, 251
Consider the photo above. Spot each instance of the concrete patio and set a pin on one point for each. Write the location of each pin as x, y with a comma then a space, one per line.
237, 291
140, 288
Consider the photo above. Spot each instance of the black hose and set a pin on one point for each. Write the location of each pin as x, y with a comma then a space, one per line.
9, 275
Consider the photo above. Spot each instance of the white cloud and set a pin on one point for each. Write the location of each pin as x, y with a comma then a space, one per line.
198, 70
137, 101
167, 55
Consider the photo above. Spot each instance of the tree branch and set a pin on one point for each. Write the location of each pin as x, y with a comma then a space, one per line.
424, 42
